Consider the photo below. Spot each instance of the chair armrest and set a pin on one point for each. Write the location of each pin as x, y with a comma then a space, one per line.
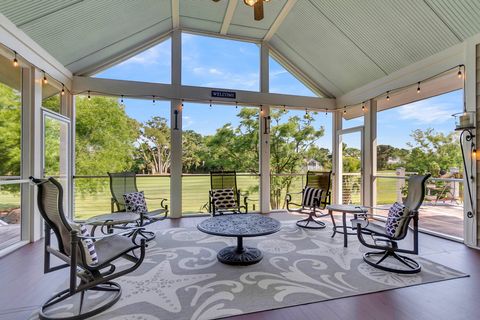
126, 232
154, 198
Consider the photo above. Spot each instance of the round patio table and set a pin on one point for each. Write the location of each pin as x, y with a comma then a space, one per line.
239, 226
111, 221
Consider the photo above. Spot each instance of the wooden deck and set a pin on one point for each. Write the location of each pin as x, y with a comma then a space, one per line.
24, 287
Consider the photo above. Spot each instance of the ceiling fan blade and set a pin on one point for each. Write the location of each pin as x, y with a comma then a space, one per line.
258, 10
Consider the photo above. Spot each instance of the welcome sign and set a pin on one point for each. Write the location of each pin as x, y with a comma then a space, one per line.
224, 94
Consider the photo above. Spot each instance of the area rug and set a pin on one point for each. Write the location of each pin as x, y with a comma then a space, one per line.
182, 279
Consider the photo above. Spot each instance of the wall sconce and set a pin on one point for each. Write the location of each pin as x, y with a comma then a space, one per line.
175, 113
267, 124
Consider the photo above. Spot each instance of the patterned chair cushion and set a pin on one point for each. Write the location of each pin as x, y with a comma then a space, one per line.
135, 202
395, 220
309, 196
87, 244
224, 199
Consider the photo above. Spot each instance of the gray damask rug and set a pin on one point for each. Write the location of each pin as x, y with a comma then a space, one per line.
182, 279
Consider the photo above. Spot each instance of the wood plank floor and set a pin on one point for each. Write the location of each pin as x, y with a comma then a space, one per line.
24, 287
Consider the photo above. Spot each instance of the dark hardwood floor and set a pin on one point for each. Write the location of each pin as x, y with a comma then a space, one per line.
24, 286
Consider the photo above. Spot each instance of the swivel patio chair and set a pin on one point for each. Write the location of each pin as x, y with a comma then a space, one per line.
385, 238
316, 195
122, 183
91, 260
224, 196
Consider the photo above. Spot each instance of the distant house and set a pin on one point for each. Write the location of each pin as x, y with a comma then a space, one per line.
393, 160
313, 165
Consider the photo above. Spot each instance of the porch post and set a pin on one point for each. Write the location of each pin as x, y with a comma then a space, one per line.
176, 135
471, 223
31, 150
264, 140
337, 157
370, 154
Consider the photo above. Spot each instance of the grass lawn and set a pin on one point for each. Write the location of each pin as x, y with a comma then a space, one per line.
195, 194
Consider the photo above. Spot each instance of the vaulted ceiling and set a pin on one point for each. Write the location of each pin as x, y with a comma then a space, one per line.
339, 45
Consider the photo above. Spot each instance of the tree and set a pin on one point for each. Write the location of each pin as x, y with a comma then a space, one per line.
10, 131
105, 139
155, 145
193, 148
433, 151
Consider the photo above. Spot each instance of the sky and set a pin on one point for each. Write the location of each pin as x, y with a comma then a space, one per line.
229, 64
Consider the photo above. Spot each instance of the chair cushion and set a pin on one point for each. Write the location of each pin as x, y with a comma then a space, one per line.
87, 244
309, 196
135, 202
395, 219
224, 199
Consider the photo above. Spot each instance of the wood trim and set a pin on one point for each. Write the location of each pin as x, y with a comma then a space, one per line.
280, 18
227, 19
175, 14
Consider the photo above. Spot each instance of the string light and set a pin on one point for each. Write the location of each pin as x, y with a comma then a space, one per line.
45, 81
284, 108
181, 106
388, 95
326, 113
306, 111
210, 104
153, 99
15, 61
236, 104
63, 89
261, 109
88, 95
418, 87
121, 99
345, 110
459, 72
474, 153
363, 106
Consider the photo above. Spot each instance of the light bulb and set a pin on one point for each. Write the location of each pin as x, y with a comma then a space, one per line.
459, 73
418, 87
15, 61
45, 81
63, 90
388, 95
88, 95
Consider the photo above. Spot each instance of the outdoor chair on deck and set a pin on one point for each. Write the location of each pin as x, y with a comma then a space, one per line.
315, 196
123, 183
385, 238
224, 196
89, 259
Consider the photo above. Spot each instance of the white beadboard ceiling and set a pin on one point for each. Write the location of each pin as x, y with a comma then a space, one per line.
338, 45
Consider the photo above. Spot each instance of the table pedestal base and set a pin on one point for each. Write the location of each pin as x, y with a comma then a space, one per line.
239, 255
230, 255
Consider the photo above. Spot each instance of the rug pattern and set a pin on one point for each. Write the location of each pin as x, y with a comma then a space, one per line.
182, 279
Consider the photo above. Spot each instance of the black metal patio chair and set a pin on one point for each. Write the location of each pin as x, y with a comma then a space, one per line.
388, 244
316, 195
126, 182
75, 249
221, 200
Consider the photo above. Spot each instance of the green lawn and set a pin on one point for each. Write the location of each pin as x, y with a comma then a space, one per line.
195, 194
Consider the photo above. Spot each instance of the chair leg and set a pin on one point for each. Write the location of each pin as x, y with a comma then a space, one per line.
412, 265
44, 313
305, 223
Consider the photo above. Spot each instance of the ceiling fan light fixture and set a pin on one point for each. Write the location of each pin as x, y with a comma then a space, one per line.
250, 3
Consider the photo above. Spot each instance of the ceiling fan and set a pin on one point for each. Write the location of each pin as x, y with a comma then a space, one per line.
257, 7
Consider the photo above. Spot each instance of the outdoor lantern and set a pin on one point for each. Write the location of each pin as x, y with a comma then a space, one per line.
464, 120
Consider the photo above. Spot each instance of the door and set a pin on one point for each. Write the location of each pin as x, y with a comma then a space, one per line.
350, 172
56, 152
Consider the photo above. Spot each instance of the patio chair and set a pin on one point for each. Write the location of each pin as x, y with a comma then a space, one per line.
386, 240
316, 195
126, 182
224, 196
91, 260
